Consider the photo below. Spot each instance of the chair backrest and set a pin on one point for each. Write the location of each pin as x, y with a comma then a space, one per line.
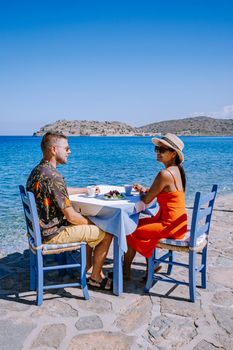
31, 215
202, 212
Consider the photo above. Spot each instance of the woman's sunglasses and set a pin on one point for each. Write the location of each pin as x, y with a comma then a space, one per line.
163, 149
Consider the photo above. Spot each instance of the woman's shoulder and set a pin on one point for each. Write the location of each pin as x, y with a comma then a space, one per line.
164, 174
172, 170
169, 174
168, 171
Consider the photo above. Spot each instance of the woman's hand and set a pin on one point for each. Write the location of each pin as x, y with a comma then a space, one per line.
140, 188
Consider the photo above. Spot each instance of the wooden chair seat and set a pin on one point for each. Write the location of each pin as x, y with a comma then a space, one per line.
183, 245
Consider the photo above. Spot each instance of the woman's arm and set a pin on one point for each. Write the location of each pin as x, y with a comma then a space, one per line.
161, 181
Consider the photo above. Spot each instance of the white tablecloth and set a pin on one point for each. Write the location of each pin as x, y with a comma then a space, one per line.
118, 217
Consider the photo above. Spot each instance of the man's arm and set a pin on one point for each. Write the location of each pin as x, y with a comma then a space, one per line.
76, 190
73, 217
79, 190
61, 196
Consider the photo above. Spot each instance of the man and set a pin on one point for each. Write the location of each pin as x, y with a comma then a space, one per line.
59, 222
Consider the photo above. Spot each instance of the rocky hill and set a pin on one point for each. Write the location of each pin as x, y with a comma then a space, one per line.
198, 126
191, 126
88, 128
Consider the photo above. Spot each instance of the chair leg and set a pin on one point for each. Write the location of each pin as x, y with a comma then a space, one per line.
32, 258
171, 259
155, 256
192, 275
203, 272
40, 278
83, 272
150, 273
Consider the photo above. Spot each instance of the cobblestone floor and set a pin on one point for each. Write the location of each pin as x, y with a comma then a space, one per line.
164, 319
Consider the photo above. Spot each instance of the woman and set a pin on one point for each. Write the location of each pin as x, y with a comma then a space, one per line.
169, 188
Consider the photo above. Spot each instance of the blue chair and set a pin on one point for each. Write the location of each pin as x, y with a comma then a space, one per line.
38, 251
195, 243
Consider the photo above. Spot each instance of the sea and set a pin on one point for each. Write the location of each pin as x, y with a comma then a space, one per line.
105, 160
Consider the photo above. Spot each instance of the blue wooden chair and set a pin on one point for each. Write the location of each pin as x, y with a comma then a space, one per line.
195, 243
38, 251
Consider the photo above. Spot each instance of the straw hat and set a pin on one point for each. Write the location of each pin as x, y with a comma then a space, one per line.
171, 141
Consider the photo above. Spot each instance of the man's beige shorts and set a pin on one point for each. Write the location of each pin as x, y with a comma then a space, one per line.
79, 233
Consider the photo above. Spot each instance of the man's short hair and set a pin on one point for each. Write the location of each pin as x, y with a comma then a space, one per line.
50, 138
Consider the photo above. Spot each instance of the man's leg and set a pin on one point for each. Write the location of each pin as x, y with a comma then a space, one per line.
93, 236
89, 257
100, 253
90, 261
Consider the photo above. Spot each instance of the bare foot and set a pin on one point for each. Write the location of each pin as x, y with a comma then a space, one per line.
144, 278
127, 277
158, 269
127, 274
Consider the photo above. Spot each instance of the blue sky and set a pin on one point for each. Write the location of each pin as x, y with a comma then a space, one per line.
133, 61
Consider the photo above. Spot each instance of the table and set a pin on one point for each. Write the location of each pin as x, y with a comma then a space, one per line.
118, 217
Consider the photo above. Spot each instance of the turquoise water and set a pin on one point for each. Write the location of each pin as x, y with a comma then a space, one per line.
105, 160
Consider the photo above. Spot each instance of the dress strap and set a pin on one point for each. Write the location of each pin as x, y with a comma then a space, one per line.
173, 179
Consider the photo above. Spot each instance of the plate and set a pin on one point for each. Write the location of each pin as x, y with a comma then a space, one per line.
114, 198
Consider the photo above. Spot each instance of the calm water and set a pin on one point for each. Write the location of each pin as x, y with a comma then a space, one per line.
105, 160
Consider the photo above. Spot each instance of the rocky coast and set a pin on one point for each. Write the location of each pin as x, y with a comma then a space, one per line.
162, 320
196, 126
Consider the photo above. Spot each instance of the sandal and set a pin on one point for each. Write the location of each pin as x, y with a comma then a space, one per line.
110, 275
88, 275
101, 285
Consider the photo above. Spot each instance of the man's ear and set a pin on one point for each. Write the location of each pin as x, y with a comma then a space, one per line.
53, 150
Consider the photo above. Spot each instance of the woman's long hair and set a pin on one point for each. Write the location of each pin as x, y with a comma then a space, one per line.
182, 173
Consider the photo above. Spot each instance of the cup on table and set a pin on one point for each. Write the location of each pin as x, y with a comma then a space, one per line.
91, 191
128, 189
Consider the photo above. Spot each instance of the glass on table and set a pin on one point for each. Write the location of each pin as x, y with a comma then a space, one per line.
128, 189
91, 191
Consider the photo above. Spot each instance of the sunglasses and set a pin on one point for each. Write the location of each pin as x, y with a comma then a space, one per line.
163, 149
65, 148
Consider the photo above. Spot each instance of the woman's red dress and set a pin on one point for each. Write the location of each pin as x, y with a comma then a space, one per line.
169, 222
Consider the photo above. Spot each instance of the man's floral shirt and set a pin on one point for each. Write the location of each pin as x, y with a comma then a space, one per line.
51, 197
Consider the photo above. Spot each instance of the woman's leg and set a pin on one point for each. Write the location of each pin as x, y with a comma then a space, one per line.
128, 258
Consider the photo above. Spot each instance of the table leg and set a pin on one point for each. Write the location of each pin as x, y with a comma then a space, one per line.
117, 268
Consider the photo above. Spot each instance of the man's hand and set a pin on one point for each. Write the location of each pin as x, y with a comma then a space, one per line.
81, 190
97, 190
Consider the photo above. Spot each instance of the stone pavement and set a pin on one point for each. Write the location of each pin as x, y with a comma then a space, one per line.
163, 320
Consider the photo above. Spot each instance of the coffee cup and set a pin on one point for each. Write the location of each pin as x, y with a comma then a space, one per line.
128, 189
91, 191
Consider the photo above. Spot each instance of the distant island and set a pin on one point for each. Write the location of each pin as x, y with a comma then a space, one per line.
196, 126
